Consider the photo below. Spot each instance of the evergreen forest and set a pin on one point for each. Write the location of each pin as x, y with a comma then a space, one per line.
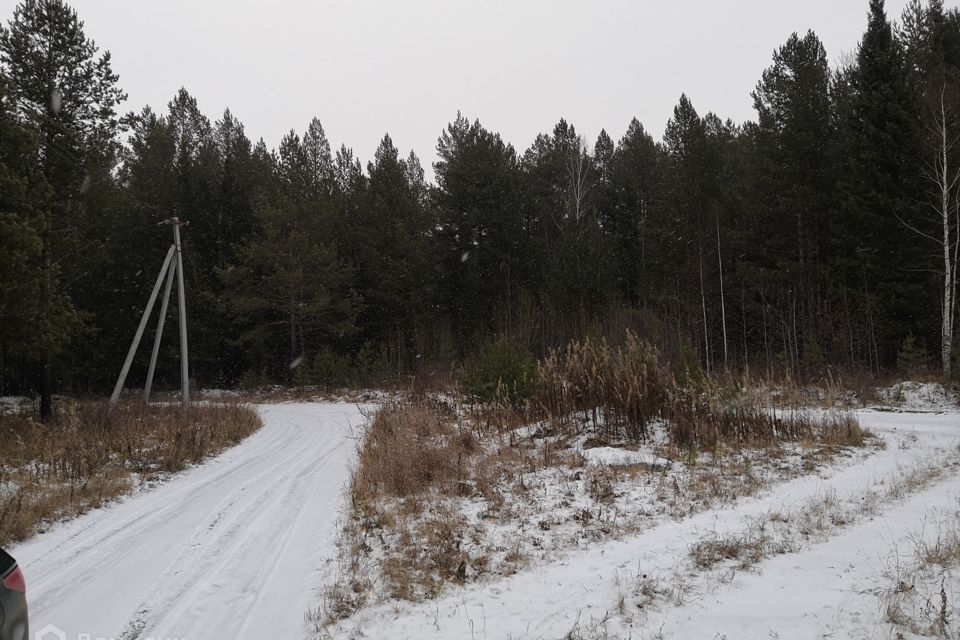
822, 234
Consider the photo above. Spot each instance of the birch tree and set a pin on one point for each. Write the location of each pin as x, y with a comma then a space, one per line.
943, 174
579, 178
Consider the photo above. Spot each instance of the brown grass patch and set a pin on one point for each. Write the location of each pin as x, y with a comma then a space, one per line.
419, 457
616, 393
436, 485
88, 456
410, 447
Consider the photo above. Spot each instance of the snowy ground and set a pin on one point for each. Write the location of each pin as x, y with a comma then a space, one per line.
241, 546
918, 396
833, 586
234, 548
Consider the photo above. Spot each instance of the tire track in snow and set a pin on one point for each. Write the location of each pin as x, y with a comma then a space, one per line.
127, 526
192, 556
124, 534
215, 549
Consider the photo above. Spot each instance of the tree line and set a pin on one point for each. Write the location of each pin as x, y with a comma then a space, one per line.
822, 233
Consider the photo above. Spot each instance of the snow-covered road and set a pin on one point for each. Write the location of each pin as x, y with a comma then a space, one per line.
235, 548
240, 546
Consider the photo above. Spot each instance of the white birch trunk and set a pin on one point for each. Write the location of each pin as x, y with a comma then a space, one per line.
946, 343
945, 178
723, 306
947, 182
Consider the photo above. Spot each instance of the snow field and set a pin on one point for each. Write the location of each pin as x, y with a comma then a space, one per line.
831, 581
243, 546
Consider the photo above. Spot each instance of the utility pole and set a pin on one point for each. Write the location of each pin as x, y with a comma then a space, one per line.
182, 304
170, 268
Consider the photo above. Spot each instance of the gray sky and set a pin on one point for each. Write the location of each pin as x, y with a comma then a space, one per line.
366, 67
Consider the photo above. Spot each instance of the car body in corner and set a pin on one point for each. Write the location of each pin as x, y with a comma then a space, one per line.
13, 600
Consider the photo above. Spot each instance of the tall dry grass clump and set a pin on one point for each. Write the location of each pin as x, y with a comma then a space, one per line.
87, 456
617, 390
707, 422
410, 447
418, 459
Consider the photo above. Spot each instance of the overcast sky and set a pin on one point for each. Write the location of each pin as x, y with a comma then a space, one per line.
405, 67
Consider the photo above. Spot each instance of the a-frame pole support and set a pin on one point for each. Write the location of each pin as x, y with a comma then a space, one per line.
143, 323
157, 338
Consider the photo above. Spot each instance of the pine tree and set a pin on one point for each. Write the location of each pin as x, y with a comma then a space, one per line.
179, 164
395, 261
23, 190
67, 92
681, 227
484, 259
878, 190
603, 150
565, 229
288, 280
632, 176
795, 146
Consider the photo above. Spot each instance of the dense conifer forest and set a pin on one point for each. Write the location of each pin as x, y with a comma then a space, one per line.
822, 234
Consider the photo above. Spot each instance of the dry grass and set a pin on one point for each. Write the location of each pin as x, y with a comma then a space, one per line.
617, 393
923, 594
601, 483
945, 550
418, 458
823, 515
704, 424
833, 389
619, 390
747, 548
86, 456
410, 447
438, 484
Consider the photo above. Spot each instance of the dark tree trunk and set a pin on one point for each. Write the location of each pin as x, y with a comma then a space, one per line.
46, 392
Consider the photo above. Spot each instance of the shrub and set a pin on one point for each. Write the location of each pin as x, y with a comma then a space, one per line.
331, 369
912, 357
502, 371
687, 370
253, 379
814, 360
